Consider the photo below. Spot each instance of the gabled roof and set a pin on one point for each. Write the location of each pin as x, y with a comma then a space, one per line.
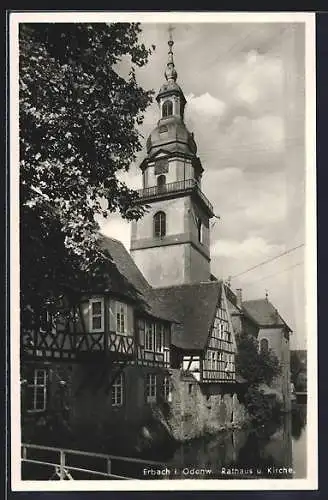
264, 313
194, 306
132, 278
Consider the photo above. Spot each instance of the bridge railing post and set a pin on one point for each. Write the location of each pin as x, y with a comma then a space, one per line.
109, 466
62, 465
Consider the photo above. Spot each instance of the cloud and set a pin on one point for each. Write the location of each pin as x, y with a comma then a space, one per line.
248, 203
254, 78
255, 247
204, 104
266, 132
118, 228
132, 178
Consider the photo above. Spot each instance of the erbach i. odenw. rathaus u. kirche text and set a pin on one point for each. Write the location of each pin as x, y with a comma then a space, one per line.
130, 364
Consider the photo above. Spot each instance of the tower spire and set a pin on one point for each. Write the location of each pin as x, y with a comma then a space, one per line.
170, 72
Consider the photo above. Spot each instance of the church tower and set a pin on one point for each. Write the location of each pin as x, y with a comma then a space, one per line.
171, 243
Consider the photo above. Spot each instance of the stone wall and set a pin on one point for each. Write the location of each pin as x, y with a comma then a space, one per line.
80, 414
196, 410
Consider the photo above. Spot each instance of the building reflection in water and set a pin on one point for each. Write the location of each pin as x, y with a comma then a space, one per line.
263, 449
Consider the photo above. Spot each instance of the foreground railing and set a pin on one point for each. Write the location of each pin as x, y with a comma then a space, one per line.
57, 459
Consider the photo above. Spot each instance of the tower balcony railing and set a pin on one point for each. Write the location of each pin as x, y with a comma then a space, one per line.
174, 187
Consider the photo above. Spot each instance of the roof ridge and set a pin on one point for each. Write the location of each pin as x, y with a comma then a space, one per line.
188, 285
112, 239
258, 300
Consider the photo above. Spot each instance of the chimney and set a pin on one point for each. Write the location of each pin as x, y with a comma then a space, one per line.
239, 295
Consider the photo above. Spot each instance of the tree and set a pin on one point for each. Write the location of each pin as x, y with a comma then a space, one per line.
256, 367
78, 128
262, 408
298, 370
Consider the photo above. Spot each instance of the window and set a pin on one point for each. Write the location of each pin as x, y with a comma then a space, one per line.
264, 345
167, 389
161, 183
221, 331
151, 388
37, 391
199, 230
96, 318
154, 337
159, 338
167, 109
141, 329
121, 317
160, 224
118, 391
149, 337
163, 129
47, 322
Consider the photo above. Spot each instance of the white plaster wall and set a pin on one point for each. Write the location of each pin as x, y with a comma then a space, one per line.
161, 266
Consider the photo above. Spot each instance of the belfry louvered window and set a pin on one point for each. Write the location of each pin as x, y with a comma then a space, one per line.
167, 109
159, 224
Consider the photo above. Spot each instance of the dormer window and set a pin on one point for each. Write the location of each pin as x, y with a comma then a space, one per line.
167, 109
159, 224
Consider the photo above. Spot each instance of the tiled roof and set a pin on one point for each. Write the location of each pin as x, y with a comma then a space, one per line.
193, 305
263, 313
133, 284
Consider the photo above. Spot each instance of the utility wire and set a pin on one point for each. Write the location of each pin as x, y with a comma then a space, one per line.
241, 44
275, 274
235, 47
266, 261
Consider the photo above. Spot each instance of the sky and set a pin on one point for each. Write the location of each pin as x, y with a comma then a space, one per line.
244, 85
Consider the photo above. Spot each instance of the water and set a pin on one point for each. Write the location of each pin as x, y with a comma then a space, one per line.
270, 451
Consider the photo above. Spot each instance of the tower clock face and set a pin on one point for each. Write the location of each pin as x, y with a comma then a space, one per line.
161, 166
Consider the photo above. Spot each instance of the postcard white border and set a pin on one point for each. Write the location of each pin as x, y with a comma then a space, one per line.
311, 482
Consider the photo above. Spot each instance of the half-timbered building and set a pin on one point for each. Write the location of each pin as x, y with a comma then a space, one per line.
108, 359
203, 340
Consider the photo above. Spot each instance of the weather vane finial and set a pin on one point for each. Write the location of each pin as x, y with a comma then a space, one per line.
170, 30
170, 72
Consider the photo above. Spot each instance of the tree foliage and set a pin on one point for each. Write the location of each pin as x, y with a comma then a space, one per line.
262, 407
78, 128
298, 371
255, 366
